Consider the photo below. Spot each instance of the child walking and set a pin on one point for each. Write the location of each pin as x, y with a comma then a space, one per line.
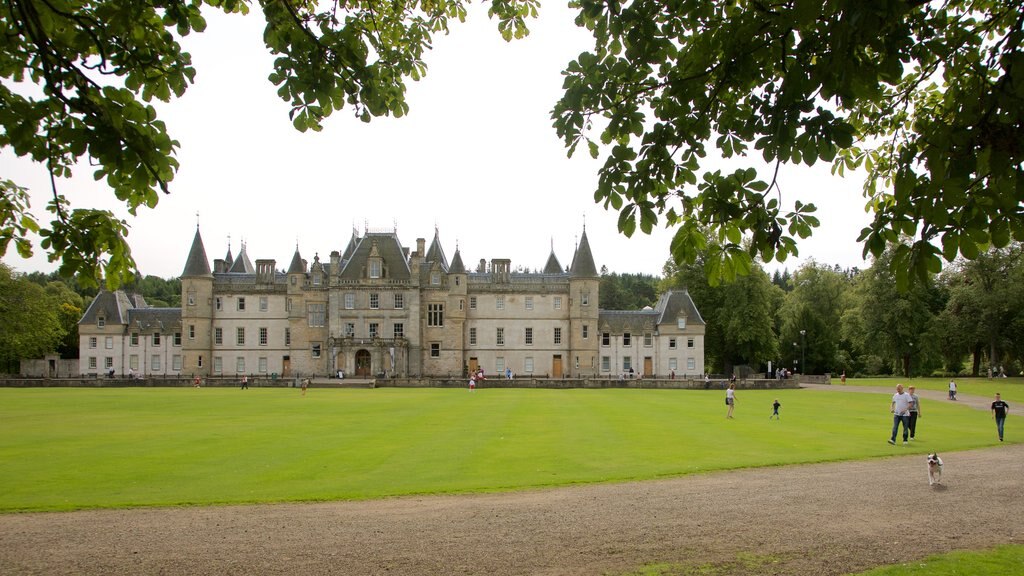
775, 409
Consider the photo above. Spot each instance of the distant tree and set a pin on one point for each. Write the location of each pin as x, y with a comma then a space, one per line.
924, 96
29, 319
69, 307
628, 291
815, 307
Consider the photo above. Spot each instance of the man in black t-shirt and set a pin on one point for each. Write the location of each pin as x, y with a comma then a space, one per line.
999, 410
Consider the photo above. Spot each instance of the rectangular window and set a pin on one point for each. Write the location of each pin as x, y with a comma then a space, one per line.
92, 362
627, 339
218, 365
586, 332
435, 278
108, 343
240, 336
156, 339
375, 268
101, 322
606, 339
499, 365
373, 329
287, 336
176, 362
435, 314
472, 336
627, 363
92, 341
472, 302
108, 362
288, 304
528, 365
199, 361
263, 365
682, 322
219, 303
154, 363
691, 364
315, 351
558, 335
374, 301
499, 302
264, 336
557, 302
648, 339
350, 329
671, 343
218, 336
399, 330
528, 337
133, 362
133, 340
177, 338
528, 302
316, 313
673, 364
191, 331
689, 342
191, 298
435, 350
399, 301
241, 303
499, 337
263, 304
606, 363
350, 300
240, 364
585, 298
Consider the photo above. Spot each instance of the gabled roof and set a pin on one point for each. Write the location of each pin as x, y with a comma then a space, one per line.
353, 242
457, 266
197, 264
388, 248
553, 266
152, 319
676, 303
242, 264
113, 306
583, 260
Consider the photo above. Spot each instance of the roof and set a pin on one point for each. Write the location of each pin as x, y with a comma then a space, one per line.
112, 306
242, 264
388, 248
436, 254
457, 266
583, 260
676, 303
553, 266
197, 264
297, 266
149, 319
671, 305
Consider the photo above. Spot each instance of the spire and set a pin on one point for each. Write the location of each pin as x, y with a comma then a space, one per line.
583, 260
457, 266
242, 264
197, 264
553, 266
435, 253
297, 267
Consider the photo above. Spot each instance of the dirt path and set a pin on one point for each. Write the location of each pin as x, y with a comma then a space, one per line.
810, 519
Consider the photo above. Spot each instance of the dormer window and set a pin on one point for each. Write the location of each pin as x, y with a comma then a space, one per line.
682, 322
376, 266
101, 321
435, 278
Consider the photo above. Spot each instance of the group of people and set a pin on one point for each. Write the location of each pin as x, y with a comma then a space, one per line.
906, 410
475, 377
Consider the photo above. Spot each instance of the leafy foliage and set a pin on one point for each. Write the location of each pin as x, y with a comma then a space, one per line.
926, 97
628, 291
79, 77
31, 323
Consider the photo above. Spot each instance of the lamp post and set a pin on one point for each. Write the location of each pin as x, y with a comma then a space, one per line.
803, 349
795, 361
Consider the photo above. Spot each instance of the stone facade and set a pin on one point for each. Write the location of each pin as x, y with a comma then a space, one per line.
380, 309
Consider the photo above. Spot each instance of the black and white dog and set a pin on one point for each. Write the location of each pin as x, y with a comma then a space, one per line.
934, 469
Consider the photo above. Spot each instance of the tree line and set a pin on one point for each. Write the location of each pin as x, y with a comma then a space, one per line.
968, 319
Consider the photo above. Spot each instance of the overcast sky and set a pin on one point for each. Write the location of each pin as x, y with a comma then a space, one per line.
476, 158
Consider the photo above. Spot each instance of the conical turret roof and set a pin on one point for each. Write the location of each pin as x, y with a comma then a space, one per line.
197, 264
583, 261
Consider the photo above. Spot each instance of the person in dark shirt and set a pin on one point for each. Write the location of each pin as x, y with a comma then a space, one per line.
775, 409
999, 410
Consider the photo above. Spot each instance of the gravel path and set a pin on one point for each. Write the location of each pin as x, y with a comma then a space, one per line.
808, 519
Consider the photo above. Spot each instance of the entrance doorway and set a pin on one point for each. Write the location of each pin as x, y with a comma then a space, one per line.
648, 367
556, 366
286, 366
363, 364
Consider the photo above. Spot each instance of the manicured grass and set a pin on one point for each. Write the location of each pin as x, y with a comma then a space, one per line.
995, 562
66, 449
1011, 389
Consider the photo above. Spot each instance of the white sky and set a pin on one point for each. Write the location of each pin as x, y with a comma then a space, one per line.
476, 157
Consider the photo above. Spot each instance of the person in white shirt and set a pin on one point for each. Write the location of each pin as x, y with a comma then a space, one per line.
900, 408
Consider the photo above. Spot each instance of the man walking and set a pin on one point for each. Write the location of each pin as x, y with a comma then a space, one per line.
900, 408
915, 410
999, 410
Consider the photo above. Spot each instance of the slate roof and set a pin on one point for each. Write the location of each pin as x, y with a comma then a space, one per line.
583, 260
553, 266
390, 251
242, 264
457, 266
436, 254
674, 303
670, 306
152, 319
197, 264
297, 266
113, 306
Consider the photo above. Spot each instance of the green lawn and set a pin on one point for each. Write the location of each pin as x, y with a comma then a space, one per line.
66, 449
1011, 389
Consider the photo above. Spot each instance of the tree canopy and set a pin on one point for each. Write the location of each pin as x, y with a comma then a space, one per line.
926, 97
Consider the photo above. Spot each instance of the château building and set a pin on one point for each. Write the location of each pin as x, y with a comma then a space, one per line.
380, 308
